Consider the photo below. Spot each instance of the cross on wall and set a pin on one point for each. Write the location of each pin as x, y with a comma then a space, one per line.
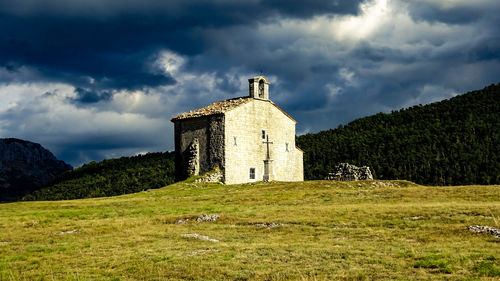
267, 142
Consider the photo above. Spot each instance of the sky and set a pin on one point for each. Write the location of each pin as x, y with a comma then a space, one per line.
97, 79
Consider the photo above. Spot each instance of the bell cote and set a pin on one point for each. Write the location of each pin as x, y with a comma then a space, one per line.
259, 87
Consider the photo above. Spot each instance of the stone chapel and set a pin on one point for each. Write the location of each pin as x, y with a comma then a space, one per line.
248, 138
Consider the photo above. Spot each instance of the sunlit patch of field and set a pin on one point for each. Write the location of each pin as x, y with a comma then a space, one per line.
330, 230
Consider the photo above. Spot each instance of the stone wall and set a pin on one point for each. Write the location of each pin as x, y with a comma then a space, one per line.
204, 135
244, 147
216, 142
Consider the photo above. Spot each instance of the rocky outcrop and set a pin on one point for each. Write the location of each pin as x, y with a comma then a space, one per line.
26, 166
348, 172
207, 218
495, 232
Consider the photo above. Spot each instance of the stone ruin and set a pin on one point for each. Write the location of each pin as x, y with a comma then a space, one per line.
348, 172
193, 158
214, 176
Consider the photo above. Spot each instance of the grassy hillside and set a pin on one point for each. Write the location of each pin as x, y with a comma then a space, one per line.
392, 230
452, 142
111, 177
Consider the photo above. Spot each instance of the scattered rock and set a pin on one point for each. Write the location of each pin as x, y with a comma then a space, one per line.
208, 218
32, 224
198, 236
348, 172
485, 229
383, 184
269, 224
67, 232
202, 251
415, 218
181, 221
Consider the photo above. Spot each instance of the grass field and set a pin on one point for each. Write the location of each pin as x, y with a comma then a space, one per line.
331, 230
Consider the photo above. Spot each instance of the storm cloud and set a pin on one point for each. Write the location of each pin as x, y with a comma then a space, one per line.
98, 79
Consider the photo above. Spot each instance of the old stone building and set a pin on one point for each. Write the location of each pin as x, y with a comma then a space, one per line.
248, 138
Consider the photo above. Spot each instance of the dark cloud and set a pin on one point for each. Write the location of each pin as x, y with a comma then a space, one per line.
486, 49
461, 13
219, 11
89, 96
305, 9
111, 42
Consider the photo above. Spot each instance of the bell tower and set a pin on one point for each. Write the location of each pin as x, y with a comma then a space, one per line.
259, 87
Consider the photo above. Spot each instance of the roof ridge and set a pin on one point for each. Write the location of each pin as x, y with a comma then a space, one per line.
218, 107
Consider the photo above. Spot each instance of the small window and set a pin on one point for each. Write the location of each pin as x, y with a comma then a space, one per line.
286, 147
261, 89
234, 141
252, 173
263, 134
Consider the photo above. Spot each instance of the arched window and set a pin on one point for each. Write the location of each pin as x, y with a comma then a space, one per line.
261, 89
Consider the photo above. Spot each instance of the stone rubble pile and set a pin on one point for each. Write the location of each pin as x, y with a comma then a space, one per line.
485, 229
213, 177
207, 218
348, 172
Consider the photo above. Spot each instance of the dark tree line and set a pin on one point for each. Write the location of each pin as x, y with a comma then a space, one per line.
452, 142
111, 177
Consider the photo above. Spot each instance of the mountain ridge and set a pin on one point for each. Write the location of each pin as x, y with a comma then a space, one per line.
26, 166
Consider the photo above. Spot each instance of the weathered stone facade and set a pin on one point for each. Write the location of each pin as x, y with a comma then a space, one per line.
232, 135
245, 147
203, 136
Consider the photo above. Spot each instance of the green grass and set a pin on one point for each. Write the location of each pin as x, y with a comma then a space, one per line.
392, 230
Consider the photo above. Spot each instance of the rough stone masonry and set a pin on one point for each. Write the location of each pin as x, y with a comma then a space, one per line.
348, 172
234, 136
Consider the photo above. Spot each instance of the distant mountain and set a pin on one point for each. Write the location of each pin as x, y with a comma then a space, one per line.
111, 177
452, 142
26, 166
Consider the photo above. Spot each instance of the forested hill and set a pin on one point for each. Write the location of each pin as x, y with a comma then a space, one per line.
111, 177
452, 142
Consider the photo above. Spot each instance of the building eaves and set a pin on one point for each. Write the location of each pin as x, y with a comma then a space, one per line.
219, 107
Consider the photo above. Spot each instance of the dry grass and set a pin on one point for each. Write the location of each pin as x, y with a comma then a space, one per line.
332, 230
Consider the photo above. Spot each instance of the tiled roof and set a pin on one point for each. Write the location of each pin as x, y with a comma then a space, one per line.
215, 108
221, 107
